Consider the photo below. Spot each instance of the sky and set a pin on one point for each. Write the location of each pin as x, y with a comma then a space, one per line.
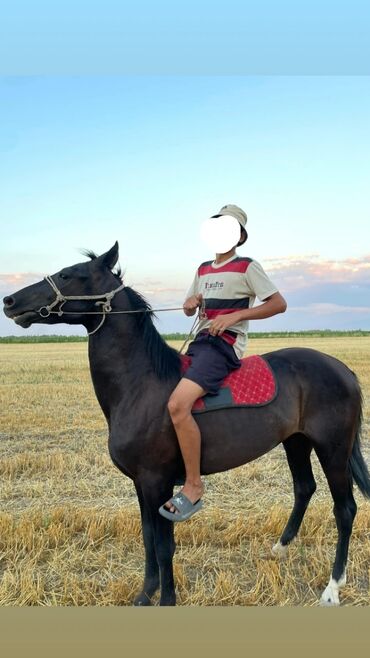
194, 38
87, 160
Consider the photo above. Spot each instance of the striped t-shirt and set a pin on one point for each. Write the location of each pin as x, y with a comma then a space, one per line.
228, 287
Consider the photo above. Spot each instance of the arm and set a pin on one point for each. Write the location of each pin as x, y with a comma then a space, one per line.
271, 306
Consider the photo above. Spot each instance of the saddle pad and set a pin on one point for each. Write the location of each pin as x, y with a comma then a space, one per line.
252, 385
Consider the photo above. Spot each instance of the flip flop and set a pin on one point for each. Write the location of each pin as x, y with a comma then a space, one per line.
185, 508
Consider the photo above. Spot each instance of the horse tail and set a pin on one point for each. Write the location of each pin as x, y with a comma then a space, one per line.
357, 464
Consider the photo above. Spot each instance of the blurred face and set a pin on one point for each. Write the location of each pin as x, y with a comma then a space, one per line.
220, 234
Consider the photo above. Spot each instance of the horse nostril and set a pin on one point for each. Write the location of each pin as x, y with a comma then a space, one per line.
9, 301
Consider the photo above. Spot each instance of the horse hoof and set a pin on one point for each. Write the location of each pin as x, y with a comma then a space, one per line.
279, 550
169, 601
330, 596
142, 599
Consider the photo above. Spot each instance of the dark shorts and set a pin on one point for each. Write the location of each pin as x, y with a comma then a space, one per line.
212, 360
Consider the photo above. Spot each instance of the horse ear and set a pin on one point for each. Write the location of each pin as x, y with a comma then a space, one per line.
110, 257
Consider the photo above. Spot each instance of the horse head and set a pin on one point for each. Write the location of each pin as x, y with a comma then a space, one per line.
44, 302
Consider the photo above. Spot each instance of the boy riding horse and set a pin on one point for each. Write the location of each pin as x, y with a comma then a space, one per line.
228, 286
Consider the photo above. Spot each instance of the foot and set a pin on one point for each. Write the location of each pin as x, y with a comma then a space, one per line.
183, 508
192, 491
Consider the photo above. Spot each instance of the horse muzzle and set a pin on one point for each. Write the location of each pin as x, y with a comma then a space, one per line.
20, 317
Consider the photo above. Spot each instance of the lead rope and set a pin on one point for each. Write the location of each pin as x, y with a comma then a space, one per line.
200, 316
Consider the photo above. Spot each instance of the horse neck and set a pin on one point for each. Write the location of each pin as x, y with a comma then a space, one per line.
114, 339
120, 367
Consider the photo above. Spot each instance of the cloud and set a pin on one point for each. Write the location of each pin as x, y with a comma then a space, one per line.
321, 294
162, 291
298, 272
12, 282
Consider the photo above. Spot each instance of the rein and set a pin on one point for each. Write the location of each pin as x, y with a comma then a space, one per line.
104, 300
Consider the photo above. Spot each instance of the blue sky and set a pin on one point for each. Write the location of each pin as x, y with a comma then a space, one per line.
196, 37
86, 160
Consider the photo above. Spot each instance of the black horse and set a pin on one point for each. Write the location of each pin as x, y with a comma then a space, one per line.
134, 372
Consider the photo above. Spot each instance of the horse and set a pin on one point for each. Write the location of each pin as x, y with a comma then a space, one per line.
318, 407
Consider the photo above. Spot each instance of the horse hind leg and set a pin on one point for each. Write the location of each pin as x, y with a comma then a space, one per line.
339, 477
298, 449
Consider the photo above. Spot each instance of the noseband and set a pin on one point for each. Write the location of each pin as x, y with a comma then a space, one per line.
104, 301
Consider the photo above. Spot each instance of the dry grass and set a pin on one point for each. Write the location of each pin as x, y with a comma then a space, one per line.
69, 522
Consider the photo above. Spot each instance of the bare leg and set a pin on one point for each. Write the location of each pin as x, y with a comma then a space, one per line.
188, 434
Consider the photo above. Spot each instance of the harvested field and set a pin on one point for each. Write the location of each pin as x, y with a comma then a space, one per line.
70, 524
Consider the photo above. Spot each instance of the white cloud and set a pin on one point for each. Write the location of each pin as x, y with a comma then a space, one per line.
15, 281
302, 271
319, 293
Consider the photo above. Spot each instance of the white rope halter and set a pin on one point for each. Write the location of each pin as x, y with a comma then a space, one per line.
104, 300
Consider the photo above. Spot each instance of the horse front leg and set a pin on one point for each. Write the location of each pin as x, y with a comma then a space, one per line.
151, 576
155, 492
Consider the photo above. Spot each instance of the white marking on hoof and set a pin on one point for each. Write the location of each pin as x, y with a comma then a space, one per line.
279, 550
330, 595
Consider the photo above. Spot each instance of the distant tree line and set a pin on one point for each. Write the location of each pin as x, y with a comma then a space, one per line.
320, 333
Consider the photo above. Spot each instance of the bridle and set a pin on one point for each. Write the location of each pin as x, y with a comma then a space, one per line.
103, 300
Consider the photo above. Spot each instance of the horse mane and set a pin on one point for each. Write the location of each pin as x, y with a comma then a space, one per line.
93, 256
165, 360
89, 253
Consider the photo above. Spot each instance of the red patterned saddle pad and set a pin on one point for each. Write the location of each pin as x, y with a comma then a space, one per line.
252, 385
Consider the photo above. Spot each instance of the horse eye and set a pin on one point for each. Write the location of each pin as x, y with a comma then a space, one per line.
63, 276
